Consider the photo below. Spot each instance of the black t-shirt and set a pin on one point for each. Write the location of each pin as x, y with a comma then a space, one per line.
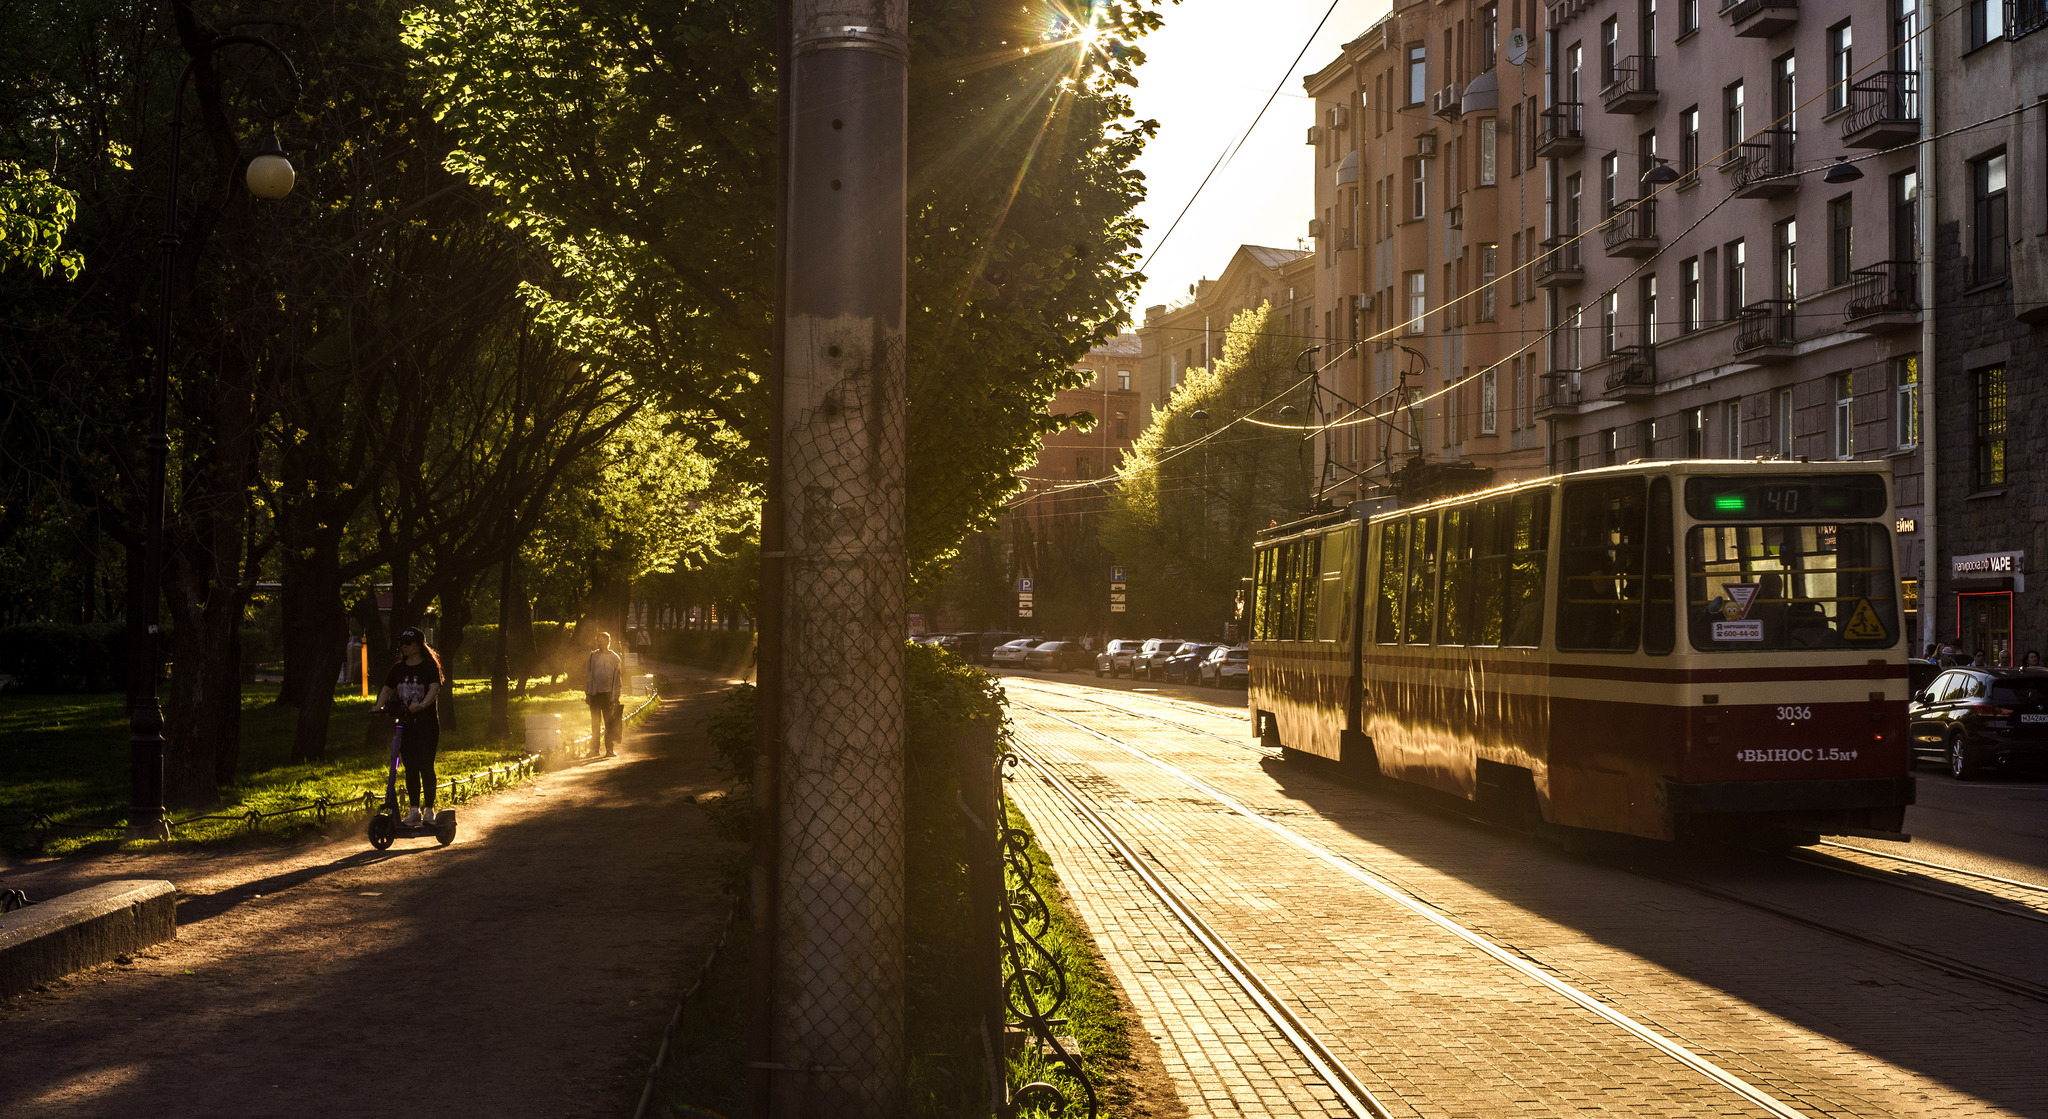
409, 684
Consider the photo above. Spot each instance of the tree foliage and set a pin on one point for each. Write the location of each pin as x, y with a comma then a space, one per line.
1194, 491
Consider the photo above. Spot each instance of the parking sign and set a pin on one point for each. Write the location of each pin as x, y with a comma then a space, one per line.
1023, 586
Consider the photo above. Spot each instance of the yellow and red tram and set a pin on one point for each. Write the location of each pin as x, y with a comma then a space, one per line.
1656, 649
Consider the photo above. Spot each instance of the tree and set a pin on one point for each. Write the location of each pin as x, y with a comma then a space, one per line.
639, 139
1194, 491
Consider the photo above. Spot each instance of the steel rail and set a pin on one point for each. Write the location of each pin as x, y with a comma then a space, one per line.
1243, 743
1355, 1095
1668, 1046
1938, 866
1832, 864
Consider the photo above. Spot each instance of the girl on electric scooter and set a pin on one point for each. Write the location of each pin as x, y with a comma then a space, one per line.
410, 690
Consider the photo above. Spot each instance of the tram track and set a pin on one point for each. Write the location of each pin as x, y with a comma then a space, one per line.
1418, 906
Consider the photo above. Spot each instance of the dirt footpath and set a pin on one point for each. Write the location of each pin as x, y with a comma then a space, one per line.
526, 970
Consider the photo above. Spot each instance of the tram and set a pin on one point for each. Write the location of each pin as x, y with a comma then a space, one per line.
1661, 649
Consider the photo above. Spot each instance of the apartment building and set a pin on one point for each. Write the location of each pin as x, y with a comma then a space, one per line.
1190, 332
1734, 237
1990, 388
1429, 206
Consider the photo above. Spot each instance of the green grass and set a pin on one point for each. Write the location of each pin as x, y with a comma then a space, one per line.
67, 757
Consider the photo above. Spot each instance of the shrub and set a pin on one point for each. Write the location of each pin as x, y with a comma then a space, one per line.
52, 657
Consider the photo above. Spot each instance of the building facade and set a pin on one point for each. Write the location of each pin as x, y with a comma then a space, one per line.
1190, 333
1990, 389
1760, 293
1429, 202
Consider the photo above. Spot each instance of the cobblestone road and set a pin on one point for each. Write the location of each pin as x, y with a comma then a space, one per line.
1429, 1023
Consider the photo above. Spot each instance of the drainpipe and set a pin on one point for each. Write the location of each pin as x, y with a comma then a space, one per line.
1930, 566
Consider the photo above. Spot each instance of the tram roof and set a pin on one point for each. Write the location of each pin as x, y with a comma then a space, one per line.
1367, 510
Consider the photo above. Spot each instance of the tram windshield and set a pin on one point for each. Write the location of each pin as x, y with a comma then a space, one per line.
1790, 586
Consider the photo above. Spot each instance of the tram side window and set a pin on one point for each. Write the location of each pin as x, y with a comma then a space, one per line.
1600, 586
1393, 575
1289, 578
1660, 616
1332, 611
1489, 539
1262, 592
1528, 563
1311, 578
1422, 561
1454, 608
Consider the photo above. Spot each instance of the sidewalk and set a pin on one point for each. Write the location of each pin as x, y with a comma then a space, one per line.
525, 970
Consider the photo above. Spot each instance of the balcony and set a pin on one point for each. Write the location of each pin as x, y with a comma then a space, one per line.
1763, 165
1560, 264
2024, 17
1764, 333
1562, 131
1632, 373
1633, 86
1632, 229
1559, 397
1885, 297
1761, 19
1884, 111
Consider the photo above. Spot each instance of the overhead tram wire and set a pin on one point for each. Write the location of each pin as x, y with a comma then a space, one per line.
1231, 153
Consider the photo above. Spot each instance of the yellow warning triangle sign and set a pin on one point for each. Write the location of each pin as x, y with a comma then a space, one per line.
1863, 624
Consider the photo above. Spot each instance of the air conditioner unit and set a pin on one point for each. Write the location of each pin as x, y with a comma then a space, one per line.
1448, 102
1457, 218
1315, 227
1337, 117
1315, 134
1425, 145
1365, 302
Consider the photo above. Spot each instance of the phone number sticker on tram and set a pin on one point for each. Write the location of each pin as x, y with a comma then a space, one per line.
1819, 754
1739, 631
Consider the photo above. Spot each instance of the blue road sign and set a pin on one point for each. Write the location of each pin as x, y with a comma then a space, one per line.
1023, 586
1116, 574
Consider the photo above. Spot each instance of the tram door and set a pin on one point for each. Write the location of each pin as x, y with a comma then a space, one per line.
1984, 624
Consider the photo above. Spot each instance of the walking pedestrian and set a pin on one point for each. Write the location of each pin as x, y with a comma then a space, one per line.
602, 674
411, 689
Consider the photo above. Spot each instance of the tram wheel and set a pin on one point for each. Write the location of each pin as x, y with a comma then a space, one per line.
1962, 761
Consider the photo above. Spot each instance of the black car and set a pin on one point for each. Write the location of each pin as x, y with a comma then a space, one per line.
1184, 666
1979, 720
983, 649
1151, 657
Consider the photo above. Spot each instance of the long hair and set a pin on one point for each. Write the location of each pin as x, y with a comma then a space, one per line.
440, 671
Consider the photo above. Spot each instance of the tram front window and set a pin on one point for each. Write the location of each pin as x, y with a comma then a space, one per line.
1790, 586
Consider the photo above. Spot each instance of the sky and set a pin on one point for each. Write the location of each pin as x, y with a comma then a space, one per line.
1206, 73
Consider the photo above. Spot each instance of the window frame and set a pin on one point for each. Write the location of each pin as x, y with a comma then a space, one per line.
1990, 426
1906, 401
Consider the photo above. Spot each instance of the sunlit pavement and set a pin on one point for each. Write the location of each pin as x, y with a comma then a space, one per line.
1272, 857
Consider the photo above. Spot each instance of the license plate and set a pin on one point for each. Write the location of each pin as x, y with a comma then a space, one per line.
2034, 718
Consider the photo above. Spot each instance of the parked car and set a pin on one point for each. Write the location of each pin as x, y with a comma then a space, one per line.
930, 638
953, 642
1012, 654
1181, 667
1226, 664
985, 645
1151, 656
1057, 656
1115, 657
1982, 719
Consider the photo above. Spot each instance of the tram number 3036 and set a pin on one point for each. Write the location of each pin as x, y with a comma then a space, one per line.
1794, 714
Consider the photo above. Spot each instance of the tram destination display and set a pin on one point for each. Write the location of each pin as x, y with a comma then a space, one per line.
1751, 498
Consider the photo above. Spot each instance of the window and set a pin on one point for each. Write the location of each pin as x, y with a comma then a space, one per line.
1489, 36
1646, 440
1419, 628
1841, 67
1489, 265
1488, 143
1123, 379
1988, 233
1529, 119
1610, 446
1123, 424
1569, 340
1393, 580
1689, 294
1696, 433
1845, 415
1905, 30
1731, 109
1418, 301
1784, 90
1689, 146
1987, 21
1574, 188
1610, 324
1489, 402
1610, 49
1646, 158
1610, 172
1812, 581
1906, 375
1646, 291
1574, 74
1688, 17
1841, 239
1990, 427
1905, 215
1785, 423
1515, 168
1083, 467
1731, 421
1601, 565
1418, 74
1738, 288
1418, 187
1785, 241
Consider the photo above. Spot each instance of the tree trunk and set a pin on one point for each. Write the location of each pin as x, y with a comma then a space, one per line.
455, 615
315, 644
500, 727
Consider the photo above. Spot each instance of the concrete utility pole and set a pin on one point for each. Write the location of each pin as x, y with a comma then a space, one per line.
836, 1010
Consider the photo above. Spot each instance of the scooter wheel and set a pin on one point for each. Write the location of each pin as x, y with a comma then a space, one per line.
383, 829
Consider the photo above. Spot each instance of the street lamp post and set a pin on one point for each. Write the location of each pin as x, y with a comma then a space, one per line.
269, 175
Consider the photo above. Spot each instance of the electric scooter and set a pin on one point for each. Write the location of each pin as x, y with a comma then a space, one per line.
389, 824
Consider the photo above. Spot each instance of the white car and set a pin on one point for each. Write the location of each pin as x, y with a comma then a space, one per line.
1011, 654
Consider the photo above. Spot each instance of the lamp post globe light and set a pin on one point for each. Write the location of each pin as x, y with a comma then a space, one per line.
268, 176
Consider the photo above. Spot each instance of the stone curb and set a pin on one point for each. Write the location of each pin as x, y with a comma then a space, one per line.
82, 928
